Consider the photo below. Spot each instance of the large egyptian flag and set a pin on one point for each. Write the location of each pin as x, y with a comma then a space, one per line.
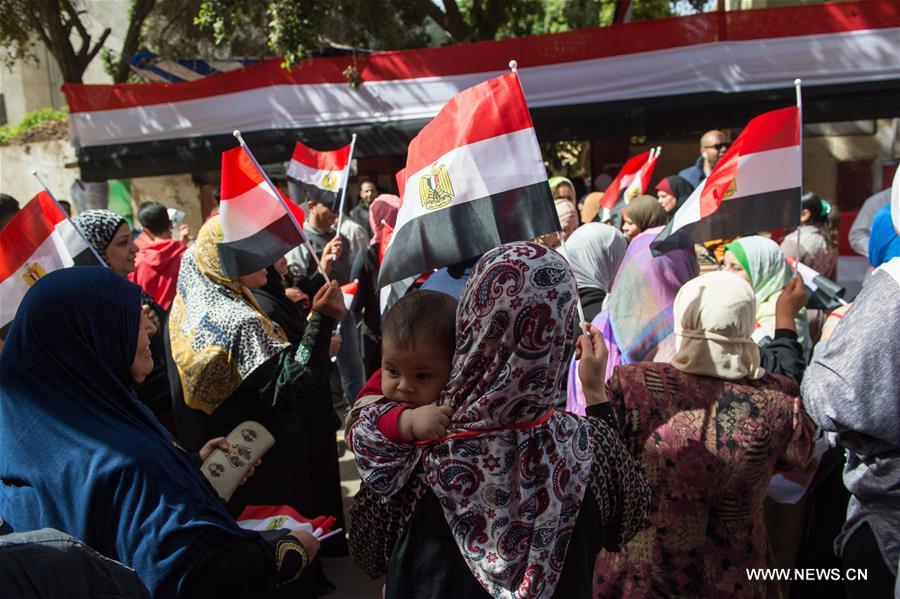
633, 179
754, 187
474, 179
39, 239
259, 224
319, 174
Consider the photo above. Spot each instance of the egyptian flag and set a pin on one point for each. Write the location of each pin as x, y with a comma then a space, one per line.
474, 179
39, 239
634, 178
754, 187
257, 227
349, 292
320, 175
271, 517
640, 182
824, 294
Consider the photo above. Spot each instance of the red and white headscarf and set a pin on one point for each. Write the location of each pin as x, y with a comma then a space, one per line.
511, 473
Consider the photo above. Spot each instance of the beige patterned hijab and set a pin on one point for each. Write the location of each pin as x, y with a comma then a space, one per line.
218, 332
714, 318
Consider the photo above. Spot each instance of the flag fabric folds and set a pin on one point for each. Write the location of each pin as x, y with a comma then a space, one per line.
640, 182
755, 187
258, 226
270, 517
633, 179
474, 179
824, 294
319, 174
349, 292
39, 239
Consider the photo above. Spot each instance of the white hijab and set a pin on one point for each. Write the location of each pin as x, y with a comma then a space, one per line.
595, 252
714, 318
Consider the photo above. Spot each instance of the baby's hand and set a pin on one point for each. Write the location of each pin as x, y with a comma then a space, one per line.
425, 422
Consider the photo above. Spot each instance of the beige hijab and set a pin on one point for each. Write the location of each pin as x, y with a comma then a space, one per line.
714, 318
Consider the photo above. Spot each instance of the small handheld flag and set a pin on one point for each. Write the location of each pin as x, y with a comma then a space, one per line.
39, 239
272, 517
349, 291
640, 182
259, 224
633, 178
754, 187
824, 294
474, 179
322, 176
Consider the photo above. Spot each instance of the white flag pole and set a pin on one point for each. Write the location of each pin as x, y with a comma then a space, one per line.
797, 83
344, 185
100, 260
514, 67
274, 190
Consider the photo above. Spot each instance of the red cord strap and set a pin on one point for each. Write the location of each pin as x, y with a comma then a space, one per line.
516, 426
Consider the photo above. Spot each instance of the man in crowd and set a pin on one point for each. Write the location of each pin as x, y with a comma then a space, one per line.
158, 259
8, 208
319, 228
360, 213
713, 145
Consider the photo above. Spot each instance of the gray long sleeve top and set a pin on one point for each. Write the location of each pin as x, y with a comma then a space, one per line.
858, 236
852, 388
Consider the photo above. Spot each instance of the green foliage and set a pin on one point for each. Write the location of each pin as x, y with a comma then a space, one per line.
31, 121
15, 33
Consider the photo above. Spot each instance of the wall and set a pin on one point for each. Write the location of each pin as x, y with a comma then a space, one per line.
49, 159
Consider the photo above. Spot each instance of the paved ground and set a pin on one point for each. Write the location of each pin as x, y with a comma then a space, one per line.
350, 581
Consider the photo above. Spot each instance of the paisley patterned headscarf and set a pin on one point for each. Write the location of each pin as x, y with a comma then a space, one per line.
99, 227
218, 332
511, 473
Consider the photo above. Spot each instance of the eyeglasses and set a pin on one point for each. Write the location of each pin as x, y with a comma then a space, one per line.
718, 147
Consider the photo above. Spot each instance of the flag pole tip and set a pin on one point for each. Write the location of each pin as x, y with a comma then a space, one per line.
236, 133
513, 66
798, 81
34, 173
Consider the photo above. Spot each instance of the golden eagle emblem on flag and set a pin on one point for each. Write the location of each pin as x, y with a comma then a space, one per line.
435, 189
33, 272
329, 181
732, 189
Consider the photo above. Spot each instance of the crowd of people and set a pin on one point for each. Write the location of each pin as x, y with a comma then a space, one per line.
506, 448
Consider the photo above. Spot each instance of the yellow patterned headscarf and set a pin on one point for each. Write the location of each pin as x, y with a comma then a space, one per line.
218, 332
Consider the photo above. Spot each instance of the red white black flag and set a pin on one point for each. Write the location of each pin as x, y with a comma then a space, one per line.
319, 174
633, 179
39, 239
474, 179
257, 225
754, 187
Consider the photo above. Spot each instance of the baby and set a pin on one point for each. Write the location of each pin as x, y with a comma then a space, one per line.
417, 344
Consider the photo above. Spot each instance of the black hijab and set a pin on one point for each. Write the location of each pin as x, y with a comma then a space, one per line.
279, 307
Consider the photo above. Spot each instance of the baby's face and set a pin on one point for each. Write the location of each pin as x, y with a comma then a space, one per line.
414, 376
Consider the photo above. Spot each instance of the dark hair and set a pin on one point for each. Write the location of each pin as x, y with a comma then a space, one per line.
823, 214
154, 217
421, 318
8, 207
66, 206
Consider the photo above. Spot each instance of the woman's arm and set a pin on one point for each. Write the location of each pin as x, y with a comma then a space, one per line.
618, 484
249, 568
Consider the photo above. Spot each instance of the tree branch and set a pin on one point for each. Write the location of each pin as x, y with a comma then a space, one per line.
97, 47
140, 10
457, 26
76, 20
